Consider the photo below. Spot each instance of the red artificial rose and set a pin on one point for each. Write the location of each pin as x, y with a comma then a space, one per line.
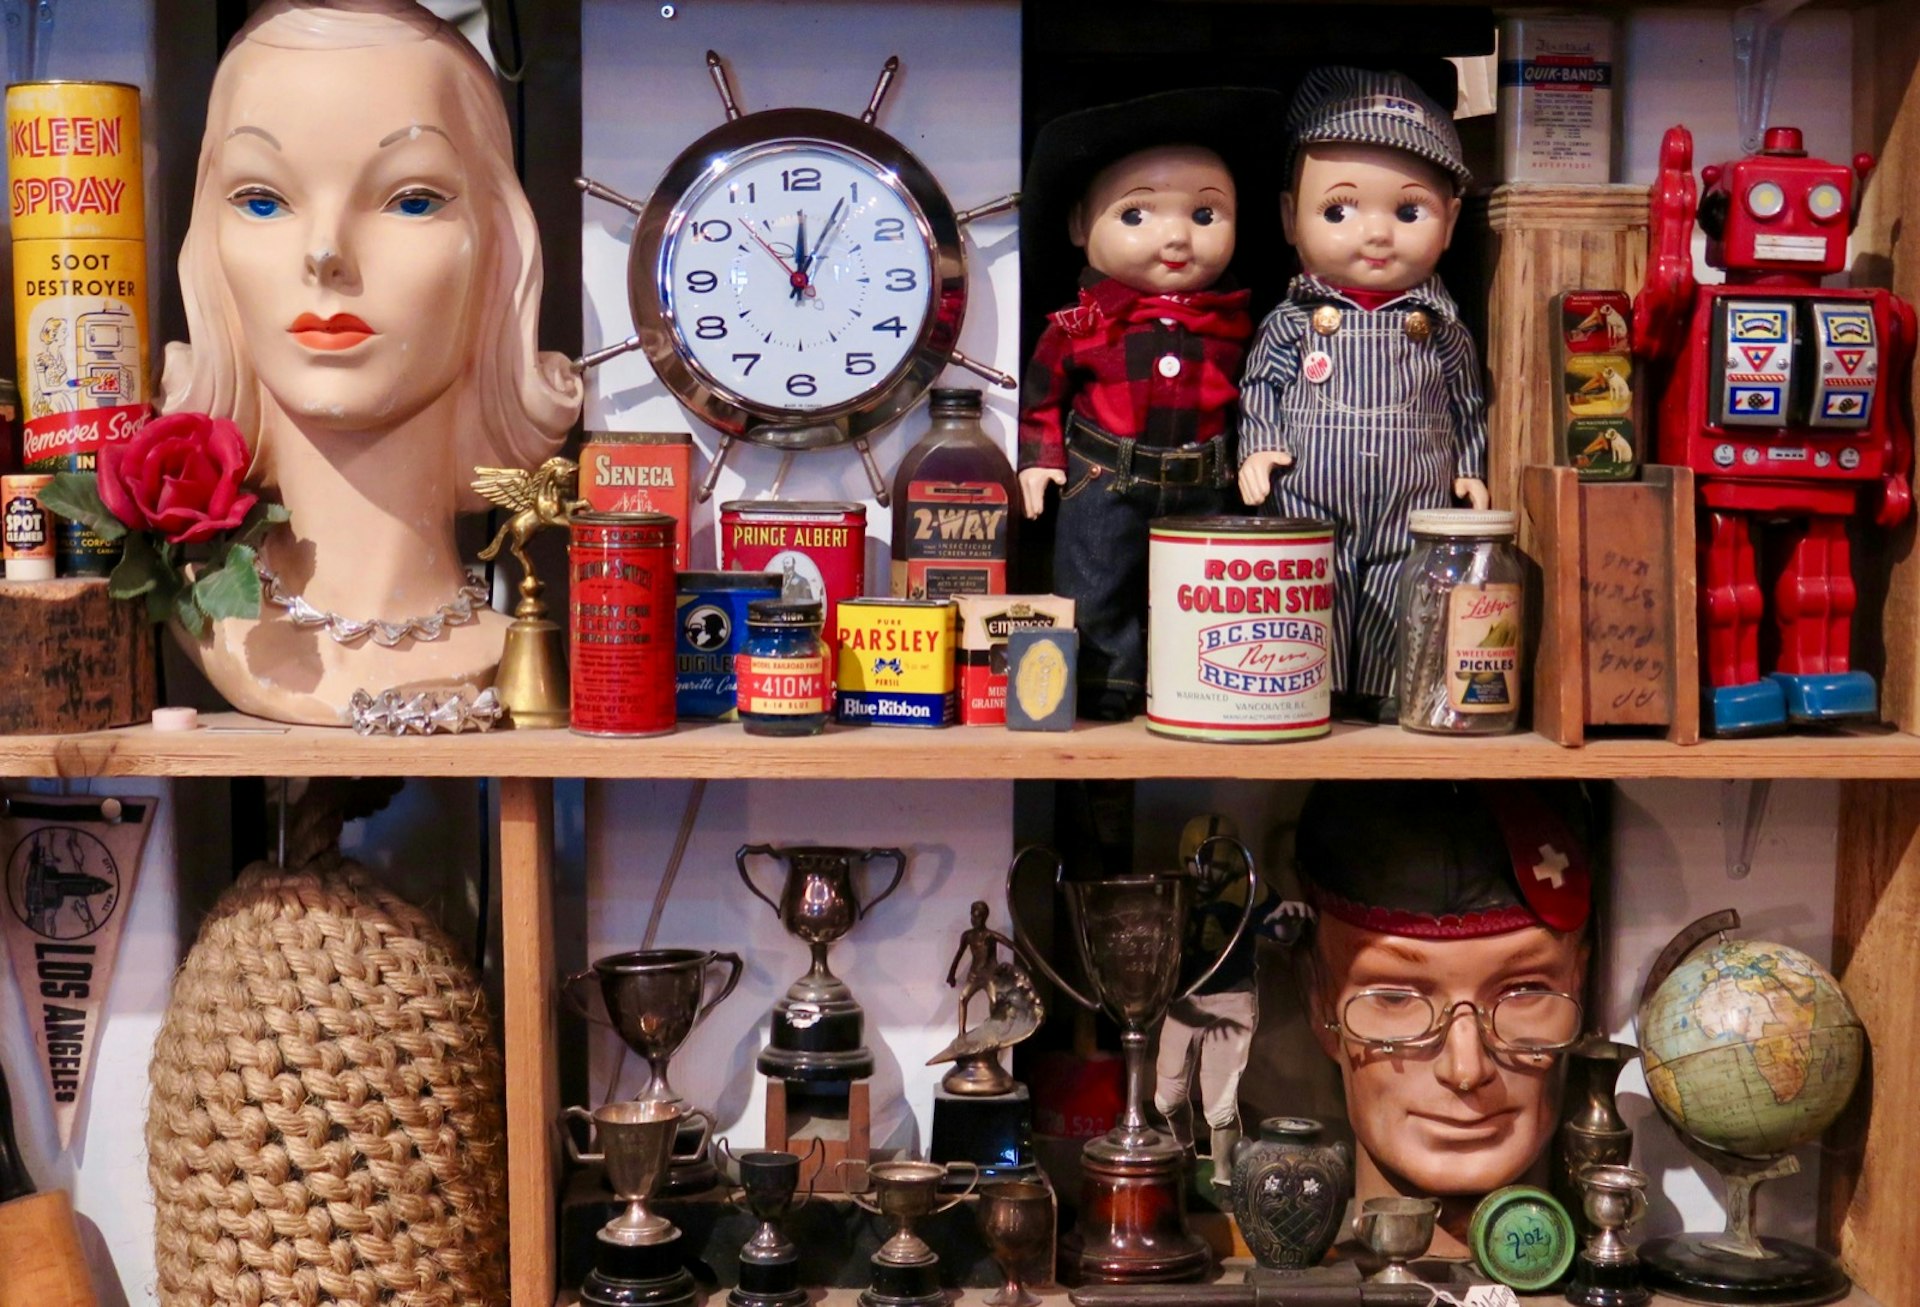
178, 476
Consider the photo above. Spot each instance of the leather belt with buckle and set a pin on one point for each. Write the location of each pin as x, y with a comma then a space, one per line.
1202, 464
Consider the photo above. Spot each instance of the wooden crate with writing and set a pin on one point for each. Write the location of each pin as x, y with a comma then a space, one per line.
1618, 642
73, 659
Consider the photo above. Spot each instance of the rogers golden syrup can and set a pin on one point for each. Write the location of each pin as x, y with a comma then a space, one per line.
819, 549
1238, 620
622, 606
79, 280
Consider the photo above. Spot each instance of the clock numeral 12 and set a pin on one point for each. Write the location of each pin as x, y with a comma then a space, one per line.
799, 179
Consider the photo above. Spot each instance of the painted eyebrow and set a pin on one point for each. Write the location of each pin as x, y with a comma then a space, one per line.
1215, 189
406, 133
1140, 190
261, 132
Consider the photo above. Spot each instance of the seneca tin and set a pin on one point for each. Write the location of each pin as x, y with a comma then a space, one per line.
1237, 628
641, 472
819, 548
896, 663
620, 566
712, 631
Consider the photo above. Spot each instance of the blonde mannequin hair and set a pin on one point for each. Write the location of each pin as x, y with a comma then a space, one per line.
523, 400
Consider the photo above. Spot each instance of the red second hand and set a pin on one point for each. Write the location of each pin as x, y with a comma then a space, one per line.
797, 280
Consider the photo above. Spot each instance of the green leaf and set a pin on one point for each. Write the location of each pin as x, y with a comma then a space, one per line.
233, 588
140, 570
162, 601
187, 610
76, 497
261, 518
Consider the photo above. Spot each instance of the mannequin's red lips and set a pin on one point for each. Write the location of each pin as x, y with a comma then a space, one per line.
341, 331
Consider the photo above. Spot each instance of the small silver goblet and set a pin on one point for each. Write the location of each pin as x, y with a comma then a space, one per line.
1016, 1219
1397, 1230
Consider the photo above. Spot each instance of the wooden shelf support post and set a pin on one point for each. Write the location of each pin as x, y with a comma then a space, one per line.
533, 1073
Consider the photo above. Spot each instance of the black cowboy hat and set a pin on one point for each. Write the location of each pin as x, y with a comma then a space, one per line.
1240, 124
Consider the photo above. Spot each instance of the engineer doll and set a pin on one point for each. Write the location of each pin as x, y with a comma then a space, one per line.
1130, 394
1362, 399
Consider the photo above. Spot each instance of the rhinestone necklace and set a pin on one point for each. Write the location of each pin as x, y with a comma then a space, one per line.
347, 630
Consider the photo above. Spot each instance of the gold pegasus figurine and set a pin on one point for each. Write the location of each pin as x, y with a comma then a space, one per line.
532, 680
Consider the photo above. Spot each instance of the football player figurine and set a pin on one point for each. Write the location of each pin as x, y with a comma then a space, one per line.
1362, 399
1447, 964
1129, 397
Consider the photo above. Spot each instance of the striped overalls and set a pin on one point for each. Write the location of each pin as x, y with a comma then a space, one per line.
1381, 411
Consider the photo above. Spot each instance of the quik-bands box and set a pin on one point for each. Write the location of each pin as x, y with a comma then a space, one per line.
985, 623
895, 662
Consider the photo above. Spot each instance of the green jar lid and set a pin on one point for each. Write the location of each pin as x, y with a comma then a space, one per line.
1522, 1237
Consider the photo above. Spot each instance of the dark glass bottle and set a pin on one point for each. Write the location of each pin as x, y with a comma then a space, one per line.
954, 500
783, 676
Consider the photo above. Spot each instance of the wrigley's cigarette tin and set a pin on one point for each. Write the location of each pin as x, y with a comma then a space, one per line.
895, 661
712, 633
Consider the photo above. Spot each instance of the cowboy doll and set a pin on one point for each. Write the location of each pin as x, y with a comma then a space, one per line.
1130, 392
1362, 399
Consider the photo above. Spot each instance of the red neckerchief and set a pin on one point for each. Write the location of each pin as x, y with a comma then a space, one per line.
1109, 306
1369, 299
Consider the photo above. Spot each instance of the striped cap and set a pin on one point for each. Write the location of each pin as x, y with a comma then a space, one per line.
1357, 106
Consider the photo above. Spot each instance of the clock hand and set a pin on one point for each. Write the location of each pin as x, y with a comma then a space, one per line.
793, 278
827, 235
800, 282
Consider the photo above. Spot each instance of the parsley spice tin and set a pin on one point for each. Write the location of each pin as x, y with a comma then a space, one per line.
896, 663
622, 606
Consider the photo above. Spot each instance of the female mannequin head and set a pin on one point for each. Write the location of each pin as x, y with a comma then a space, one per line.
357, 162
362, 285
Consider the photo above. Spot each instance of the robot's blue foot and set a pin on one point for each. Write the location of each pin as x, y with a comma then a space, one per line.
1753, 709
1827, 698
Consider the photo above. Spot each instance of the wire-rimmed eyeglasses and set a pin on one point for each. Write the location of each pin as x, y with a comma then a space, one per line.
1521, 1021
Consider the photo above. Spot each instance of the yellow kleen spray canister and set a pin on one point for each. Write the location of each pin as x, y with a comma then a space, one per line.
79, 280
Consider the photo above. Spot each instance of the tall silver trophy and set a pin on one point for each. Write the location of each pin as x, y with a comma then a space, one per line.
1130, 932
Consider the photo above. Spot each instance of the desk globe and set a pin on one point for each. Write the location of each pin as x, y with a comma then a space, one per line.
1751, 1049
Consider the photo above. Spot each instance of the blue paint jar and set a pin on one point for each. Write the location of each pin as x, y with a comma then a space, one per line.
711, 632
785, 680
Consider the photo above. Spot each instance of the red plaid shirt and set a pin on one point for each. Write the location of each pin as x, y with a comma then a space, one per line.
1160, 369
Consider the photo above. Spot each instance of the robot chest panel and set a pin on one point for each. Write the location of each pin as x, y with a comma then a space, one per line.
1793, 364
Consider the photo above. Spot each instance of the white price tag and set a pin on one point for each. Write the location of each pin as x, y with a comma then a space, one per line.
1490, 1295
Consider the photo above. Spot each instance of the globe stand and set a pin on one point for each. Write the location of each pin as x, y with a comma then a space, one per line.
1738, 1266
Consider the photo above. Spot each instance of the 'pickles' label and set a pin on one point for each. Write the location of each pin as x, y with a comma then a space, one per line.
786, 687
1483, 648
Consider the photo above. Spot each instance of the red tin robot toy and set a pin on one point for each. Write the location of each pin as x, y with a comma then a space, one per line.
1789, 401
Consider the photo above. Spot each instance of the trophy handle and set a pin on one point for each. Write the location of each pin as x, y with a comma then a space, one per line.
706, 1136
818, 1147
740, 857
899, 869
971, 1185
578, 1004
733, 978
1022, 935
1246, 915
573, 1149
859, 1200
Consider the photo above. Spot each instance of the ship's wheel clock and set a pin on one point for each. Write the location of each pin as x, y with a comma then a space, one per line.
797, 278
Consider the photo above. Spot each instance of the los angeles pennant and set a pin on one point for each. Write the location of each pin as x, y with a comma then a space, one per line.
70, 867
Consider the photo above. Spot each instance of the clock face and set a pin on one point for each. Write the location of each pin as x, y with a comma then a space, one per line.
797, 278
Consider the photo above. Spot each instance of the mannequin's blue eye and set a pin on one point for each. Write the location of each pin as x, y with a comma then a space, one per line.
1335, 213
1132, 217
1203, 217
259, 204
417, 204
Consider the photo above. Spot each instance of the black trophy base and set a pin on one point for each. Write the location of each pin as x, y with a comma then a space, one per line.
816, 1042
905, 1284
772, 1283
1795, 1276
1607, 1284
647, 1276
994, 1132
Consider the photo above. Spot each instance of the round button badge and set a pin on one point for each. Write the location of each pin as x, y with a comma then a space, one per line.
1317, 366
1169, 366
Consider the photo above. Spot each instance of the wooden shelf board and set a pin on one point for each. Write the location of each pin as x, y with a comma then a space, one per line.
228, 744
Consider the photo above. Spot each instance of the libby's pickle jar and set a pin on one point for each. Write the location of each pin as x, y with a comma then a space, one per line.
1461, 623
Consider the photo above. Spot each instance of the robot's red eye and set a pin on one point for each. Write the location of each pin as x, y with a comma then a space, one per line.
1766, 199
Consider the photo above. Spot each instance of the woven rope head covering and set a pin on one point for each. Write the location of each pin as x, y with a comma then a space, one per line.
325, 1123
